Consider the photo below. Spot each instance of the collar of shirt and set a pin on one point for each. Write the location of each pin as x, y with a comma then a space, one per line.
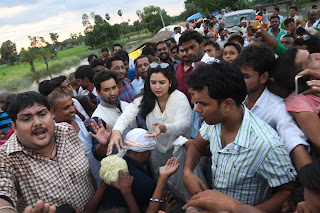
262, 100
241, 138
140, 81
172, 61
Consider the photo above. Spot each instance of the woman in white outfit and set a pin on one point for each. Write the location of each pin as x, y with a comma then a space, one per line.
166, 110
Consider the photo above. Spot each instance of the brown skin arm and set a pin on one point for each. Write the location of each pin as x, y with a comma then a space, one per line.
268, 38
300, 157
94, 202
274, 204
3, 202
309, 123
197, 148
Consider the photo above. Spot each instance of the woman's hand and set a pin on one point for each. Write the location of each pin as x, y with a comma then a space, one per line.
160, 128
115, 139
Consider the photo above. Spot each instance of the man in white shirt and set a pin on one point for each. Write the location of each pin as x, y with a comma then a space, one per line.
142, 65
256, 62
109, 109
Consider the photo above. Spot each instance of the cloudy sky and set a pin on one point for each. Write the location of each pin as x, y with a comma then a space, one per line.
20, 18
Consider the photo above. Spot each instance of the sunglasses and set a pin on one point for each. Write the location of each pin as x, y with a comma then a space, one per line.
162, 65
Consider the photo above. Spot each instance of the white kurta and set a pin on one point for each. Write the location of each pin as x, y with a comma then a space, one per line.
176, 117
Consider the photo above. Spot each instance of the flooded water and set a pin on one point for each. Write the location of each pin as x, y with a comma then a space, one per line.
34, 86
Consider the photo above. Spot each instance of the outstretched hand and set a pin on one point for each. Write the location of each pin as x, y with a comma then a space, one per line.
40, 207
170, 168
115, 139
102, 134
159, 128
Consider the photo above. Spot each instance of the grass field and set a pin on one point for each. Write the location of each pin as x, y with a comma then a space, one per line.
7, 71
16, 78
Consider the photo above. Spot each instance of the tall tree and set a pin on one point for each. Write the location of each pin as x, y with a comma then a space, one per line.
8, 48
139, 14
54, 37
86, 23
107, 16
151, 17
120, 14
37, 41
46, 53
29, 56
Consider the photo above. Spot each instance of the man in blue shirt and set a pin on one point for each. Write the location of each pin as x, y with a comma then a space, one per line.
275, 30
5, 121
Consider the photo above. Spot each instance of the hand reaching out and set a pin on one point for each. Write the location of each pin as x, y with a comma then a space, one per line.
115, 139
159, 128
170, 168
213, 201
102, 134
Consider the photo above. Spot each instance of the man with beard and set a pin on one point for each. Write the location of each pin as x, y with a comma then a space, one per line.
164, 55
109, 109
183, 70
116, 64
142, 65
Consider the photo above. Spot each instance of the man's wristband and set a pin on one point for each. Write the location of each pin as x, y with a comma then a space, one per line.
156, 200
7, 207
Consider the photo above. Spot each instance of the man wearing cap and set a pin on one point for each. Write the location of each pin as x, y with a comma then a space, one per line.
136, 153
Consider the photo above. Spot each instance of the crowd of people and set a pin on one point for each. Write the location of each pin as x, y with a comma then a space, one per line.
208, 122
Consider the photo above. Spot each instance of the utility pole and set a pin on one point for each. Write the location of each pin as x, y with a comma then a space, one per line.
161, 18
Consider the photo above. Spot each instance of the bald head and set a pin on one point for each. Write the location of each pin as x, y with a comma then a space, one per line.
313, 15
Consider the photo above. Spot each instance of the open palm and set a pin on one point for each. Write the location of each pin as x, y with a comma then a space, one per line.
102, 134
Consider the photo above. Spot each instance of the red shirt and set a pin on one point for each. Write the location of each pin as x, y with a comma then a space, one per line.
181, 77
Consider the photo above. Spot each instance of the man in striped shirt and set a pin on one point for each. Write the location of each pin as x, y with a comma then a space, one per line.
249, 160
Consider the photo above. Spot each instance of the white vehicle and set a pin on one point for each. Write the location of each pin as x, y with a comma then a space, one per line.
233, 18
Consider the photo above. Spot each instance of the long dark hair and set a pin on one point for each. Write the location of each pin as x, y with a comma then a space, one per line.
149, 99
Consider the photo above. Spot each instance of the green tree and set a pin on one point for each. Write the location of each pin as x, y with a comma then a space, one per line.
7, 49
107, 16
120, 14
86, 23
209, 5
54, 37
36, 41
151, 17
89, 40
46, 53
29, 56
137, 26
139, 14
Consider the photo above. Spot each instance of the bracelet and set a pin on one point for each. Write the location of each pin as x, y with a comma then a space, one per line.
156, 200
7, 207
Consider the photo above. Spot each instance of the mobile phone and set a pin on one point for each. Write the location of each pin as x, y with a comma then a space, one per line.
301, 83
255, 24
